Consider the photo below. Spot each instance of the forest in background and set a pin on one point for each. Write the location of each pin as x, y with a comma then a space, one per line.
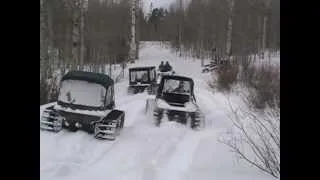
92, 34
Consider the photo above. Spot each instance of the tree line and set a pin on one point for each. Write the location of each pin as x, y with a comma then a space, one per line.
75, 33
90, 34
218, 27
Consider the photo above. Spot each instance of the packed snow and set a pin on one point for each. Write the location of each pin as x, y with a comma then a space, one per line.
143, 151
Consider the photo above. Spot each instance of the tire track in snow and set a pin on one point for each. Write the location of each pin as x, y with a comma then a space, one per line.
163, 152
181, 159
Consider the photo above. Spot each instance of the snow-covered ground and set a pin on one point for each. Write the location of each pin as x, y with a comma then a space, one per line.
143, 151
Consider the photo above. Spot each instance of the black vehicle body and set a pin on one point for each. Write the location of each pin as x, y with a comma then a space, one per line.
177, 106
104, 121
141, 79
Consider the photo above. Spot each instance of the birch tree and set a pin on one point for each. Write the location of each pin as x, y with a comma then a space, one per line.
133, 44
83, 11
44, 56
231, 4
75, 7
266, 8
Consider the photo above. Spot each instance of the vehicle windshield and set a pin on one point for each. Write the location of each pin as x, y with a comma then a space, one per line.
139, 75
82, 93
177, 86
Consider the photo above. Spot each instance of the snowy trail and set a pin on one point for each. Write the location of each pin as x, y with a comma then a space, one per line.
143, 151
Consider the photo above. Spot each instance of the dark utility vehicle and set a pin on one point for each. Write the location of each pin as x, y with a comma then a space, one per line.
86, 102
141, 79
175, 98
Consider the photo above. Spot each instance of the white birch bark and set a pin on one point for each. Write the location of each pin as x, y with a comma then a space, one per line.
133, 45
231, 4
83, 10
266, 4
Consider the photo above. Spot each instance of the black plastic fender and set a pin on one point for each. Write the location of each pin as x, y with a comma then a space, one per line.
115, 115
114, 120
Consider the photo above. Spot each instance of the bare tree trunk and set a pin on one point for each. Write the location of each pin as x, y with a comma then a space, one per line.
259, 37
123, 68
76, 40
103, 65
201, 38
50, 24
229, 28
264, 30
133, 44
44, 56
264, 35
82, 31
138, 6
110, 65
67, 49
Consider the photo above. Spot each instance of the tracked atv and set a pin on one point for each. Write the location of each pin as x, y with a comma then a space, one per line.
142, 79
175, 99
86, 102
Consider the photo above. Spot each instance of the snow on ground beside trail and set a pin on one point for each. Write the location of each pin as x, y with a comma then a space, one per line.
143, 151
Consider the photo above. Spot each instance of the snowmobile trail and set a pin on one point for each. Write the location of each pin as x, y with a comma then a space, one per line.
162, 153
179, 161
